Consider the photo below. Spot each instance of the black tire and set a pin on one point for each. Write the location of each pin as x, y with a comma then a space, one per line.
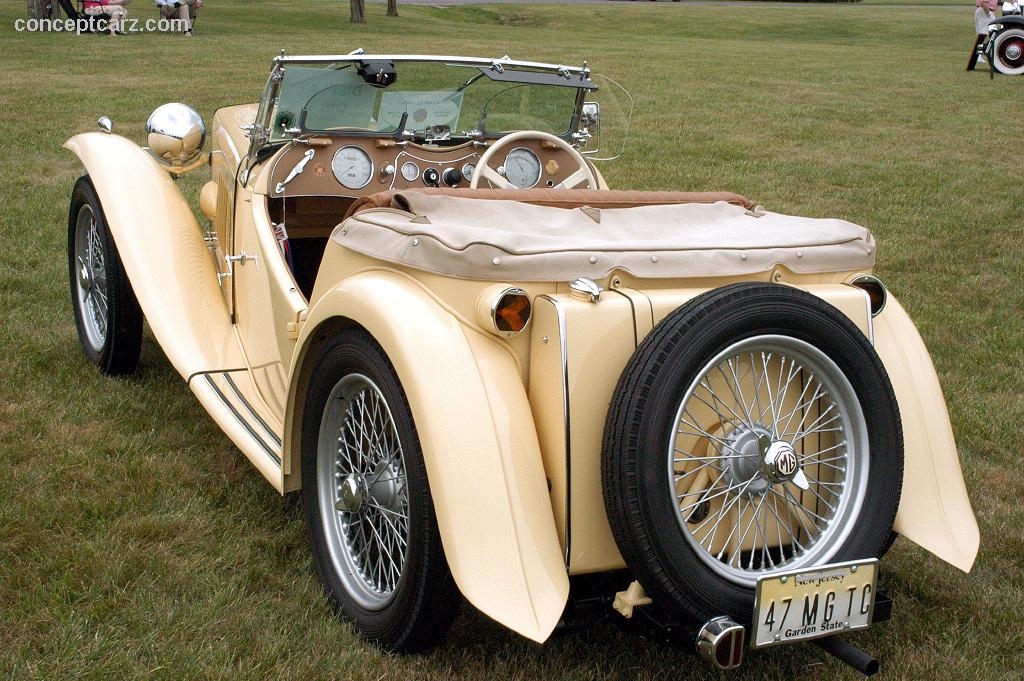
426, 599
115, 351
641, 423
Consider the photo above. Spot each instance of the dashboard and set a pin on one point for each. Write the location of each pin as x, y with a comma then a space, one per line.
354, 166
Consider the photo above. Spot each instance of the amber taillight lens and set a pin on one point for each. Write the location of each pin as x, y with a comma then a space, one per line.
512, 311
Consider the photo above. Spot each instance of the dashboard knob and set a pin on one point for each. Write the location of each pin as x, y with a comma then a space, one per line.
431, 177
451, 177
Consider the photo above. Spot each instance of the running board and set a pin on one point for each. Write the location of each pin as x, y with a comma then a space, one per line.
232, 400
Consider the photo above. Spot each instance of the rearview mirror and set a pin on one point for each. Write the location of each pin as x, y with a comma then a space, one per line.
590, 117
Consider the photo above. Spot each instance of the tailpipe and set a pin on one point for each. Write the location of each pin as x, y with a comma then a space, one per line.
721, 643
844, 651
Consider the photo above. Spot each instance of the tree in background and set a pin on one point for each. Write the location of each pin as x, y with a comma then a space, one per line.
358, 8
40, 9
392, 8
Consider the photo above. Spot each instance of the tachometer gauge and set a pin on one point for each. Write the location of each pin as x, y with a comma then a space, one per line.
522, 168
352, 167
410, 171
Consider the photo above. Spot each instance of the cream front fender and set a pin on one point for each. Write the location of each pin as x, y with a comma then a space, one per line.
479, 443
162, 249
934, 512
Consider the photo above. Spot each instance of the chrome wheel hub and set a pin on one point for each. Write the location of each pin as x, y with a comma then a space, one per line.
746, 443
351, 492
780, 464
84, 277
1013, 52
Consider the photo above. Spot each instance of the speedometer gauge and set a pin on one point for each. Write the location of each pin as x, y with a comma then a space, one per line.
522, 168
410, 171
352, 167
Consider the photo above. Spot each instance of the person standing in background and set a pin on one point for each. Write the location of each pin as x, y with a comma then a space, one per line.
185, 10
984, 12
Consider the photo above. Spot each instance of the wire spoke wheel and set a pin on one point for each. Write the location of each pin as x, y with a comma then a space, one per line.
91, 278
363, 491
769, 461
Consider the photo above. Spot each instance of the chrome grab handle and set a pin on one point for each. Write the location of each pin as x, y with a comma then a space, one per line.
296, 171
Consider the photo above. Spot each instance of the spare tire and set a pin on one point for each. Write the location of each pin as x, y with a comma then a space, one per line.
753, 431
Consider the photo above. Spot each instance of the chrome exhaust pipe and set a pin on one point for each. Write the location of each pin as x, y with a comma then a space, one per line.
721, 643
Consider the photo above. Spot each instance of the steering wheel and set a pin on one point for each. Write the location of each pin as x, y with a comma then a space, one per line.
582, 174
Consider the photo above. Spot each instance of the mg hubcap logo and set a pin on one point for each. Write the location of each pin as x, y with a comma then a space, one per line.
780, 462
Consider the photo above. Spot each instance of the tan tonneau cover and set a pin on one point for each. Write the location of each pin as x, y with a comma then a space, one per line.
513, 241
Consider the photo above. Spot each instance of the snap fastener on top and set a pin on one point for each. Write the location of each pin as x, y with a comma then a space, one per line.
496, 262
593, 260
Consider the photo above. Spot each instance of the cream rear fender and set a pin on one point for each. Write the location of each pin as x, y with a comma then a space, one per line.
478, 437
164, 255
934, 511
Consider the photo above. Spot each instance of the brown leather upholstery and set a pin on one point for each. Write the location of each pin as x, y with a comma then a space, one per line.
559, 198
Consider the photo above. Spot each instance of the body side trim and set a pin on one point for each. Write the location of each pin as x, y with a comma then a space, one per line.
563, 345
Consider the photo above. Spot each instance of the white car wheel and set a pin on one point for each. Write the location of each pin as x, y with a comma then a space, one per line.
1008, 52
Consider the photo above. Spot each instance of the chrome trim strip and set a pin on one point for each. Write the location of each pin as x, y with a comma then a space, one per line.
871, 318
252, 412
469, 61
565, 416
245, 424
212, 371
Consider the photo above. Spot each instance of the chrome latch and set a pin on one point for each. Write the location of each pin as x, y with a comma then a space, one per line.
241, 259
296, 171
585, 288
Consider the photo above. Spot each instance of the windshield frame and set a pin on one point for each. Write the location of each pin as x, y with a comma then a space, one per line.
504, 69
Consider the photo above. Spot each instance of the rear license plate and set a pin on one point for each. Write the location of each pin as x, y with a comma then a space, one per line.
814, 602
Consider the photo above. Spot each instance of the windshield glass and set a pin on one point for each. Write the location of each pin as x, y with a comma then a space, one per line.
469, 101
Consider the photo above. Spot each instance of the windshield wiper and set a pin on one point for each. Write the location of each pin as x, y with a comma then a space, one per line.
400, 132
470, 82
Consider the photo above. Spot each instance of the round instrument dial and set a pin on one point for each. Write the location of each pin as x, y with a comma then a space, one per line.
467, 171
352, 167
410, 171
431, 177
522, 168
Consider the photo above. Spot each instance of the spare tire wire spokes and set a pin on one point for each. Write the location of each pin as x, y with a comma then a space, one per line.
761, 463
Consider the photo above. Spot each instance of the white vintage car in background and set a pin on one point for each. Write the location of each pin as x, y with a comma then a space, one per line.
412, 295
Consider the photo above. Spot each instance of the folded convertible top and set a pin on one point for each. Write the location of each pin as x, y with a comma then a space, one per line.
512, 241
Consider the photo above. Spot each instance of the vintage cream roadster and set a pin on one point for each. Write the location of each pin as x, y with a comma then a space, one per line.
412, 295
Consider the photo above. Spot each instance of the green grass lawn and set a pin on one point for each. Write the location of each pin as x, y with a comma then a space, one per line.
136, 541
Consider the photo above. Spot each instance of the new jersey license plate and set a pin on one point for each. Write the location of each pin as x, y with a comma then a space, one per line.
814, 602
